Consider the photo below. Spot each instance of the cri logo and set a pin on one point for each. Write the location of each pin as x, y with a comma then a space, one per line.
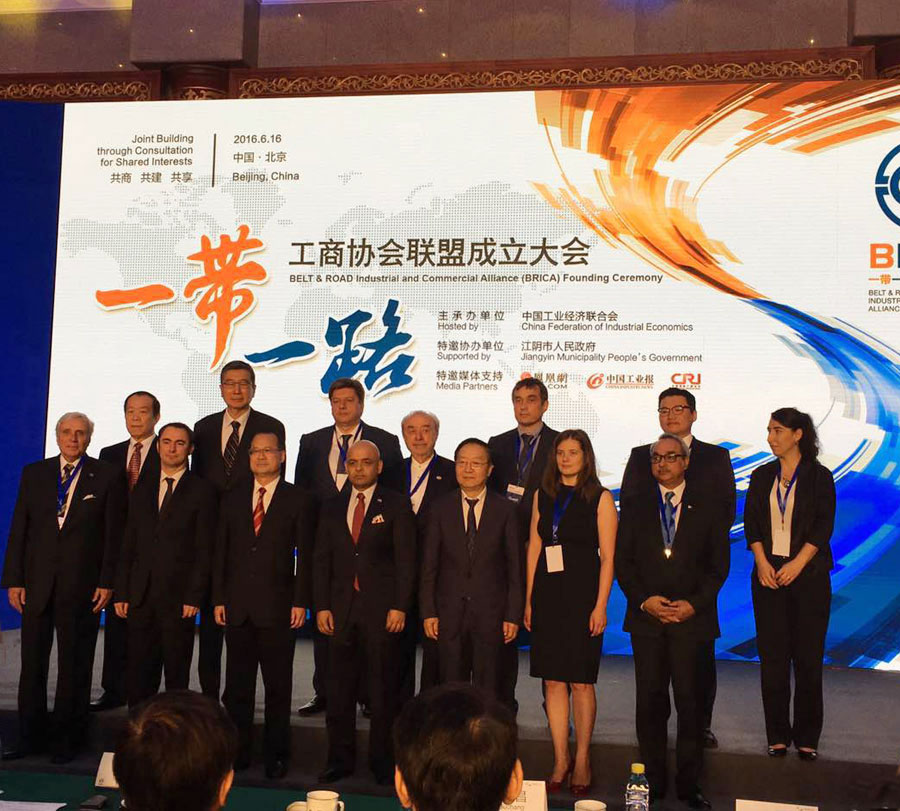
595, 381
689, 380
887, 185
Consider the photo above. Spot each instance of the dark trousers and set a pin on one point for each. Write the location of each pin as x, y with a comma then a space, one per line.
363, 646
659, 661
209, 659
791, 622
509, 674
115, 655
708, 681
76, 637
159, 641
320, 662
430, 675
272, 651
470, 653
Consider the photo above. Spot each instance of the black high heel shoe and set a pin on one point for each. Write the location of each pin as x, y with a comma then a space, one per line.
777, 751
807, 754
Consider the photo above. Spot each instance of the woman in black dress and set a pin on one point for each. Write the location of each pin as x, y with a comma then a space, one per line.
570, 574
788, 521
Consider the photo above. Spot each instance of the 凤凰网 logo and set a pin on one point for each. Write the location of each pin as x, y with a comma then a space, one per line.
887, 185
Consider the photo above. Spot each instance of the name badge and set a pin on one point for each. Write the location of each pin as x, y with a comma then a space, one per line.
554, 558
514, 492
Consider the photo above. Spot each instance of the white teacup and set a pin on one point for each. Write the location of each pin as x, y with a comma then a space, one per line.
324, 801
299, 805
590, 805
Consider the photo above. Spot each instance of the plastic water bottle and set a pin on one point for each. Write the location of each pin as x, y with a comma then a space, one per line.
637, 792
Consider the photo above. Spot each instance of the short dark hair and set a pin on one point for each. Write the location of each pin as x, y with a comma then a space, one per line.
238, 365
531, 383
456, 749
182, 427
278, 441
587, 485
348, 383
152, 397
794, 418
672, 391
174, 753
473, 440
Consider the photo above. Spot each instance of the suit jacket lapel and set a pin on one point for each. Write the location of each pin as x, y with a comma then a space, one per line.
85, 478
375, 508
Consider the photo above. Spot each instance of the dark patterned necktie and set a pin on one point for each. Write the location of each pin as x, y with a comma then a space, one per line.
167, 497
67, 475
471, 527
134, 465
524, 458
231, 447
342, 455
259, 511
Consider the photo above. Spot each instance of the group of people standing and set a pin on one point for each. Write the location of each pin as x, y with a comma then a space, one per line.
385, 551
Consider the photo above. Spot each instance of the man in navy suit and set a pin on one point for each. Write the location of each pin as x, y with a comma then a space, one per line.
365, 571
672, 557
221, 456
60, 570
711, 471
424, 477
138, 460
471, 592
322, 470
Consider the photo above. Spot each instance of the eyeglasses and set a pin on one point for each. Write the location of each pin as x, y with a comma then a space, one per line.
236, 384
657, 458
466, 463
665, 410
263, 451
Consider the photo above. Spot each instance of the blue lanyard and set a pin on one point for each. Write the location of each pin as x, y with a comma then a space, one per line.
668, 526
558, 513
412, 490
62, 488
520, 469
340, 445
782, 504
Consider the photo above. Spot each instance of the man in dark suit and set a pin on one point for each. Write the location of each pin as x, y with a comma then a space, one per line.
221, 444
672, 557
261, 590
711, 471
138, 460
322, 470
60, 568
365, 570
424, 477
164, 567
519, 458
471, 593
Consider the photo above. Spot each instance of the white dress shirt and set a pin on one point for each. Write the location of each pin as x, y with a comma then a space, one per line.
227, 419
267, 497
416, 469
676, 502
351, 507
72, 486
781, 530
162, 483
479, 507
334, 454
146, 444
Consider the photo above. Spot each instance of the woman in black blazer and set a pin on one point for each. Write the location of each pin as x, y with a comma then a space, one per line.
788, 520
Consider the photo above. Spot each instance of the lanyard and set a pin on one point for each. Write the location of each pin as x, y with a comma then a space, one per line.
668, 525
340, 445
62, 487
558, 513
782, 504
412, 490
523, 466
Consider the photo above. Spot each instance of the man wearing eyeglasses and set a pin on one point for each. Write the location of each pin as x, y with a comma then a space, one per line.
672, 557
221, 442
710, 470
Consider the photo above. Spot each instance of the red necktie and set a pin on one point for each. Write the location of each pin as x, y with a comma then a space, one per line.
258, 512
359, 513
134, 465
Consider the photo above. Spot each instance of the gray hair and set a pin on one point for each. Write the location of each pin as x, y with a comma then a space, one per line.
423, 413
76, 415
684, 446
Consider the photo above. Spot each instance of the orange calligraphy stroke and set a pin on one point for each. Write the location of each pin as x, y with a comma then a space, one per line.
138, 297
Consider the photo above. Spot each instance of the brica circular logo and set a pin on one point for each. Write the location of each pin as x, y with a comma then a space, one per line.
887, 185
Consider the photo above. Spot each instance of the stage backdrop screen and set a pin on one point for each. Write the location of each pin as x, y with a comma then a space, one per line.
738, 240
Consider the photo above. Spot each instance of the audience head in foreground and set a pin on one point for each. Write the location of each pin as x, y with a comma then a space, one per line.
176, 754
456, 751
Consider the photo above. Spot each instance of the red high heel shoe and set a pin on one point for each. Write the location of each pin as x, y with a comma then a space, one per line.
580, 789
555, 786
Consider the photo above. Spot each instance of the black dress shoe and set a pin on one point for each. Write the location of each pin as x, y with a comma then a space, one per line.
15, 753
710, 741
276, 769
106, 702
365, 710
333, 773
313, 707
696, 800
62, 755
807, 754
